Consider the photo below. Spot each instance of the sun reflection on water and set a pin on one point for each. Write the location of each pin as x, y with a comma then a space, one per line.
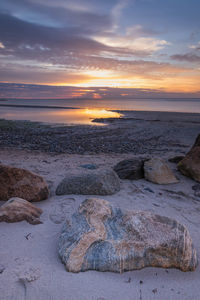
59, 116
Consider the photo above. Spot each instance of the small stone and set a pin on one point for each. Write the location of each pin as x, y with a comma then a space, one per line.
154, 291
157, 171
17, 209
148, 190
89, 166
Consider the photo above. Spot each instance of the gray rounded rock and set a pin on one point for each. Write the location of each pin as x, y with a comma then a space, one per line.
98, 182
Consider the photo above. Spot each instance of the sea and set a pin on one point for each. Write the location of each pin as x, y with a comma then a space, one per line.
83, 111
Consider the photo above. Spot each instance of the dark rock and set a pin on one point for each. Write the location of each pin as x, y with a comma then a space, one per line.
16, 182
105, 238
190, 165
148, 190
17, 209
130, 168
176, 159
196, 189
101, 182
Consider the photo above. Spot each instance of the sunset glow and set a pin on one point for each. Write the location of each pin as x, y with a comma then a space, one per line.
100, 44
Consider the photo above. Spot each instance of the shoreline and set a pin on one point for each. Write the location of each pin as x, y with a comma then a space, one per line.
125, 111
38, 106
135, 132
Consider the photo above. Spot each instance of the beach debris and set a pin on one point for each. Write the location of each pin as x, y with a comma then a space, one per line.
17, 182
190, 165
157, 171
176, 159
2, 268
130, 168
18, 209
98, 182
102, 237
154, 291
89, 166
27, 236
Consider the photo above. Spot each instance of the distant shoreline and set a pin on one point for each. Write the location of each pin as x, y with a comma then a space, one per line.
38, 106
123, 111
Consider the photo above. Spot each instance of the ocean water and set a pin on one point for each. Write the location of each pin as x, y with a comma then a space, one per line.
82, 111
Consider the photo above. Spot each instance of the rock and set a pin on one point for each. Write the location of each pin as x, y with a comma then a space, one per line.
176, 159
101, 182
16, 182
148, 189
105, 238
190, 165
17, 209
157, 171
130, 168
89, 166
196, 189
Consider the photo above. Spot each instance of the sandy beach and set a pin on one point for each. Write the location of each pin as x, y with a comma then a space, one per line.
29, 257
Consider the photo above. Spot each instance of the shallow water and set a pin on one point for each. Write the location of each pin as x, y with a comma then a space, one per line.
49, 115
88, 109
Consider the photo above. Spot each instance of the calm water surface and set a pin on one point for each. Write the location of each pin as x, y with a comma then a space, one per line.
86, 110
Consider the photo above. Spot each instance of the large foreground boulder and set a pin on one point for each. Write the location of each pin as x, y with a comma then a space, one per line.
190, 165
98, 182
157, 171
130, 168
17, 209
16, 182
104, 238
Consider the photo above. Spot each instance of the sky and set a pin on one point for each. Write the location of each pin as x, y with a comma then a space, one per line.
76, 48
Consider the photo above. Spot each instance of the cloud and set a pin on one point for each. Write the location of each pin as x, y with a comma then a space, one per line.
117, 10
20, 34
13, 90
58, 15
195, 47
187, 57
2, 45
25, 40
84, 42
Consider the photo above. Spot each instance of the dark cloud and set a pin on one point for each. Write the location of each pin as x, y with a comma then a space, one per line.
13, 90
188, 57
57, 15
43, 43
15, 33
